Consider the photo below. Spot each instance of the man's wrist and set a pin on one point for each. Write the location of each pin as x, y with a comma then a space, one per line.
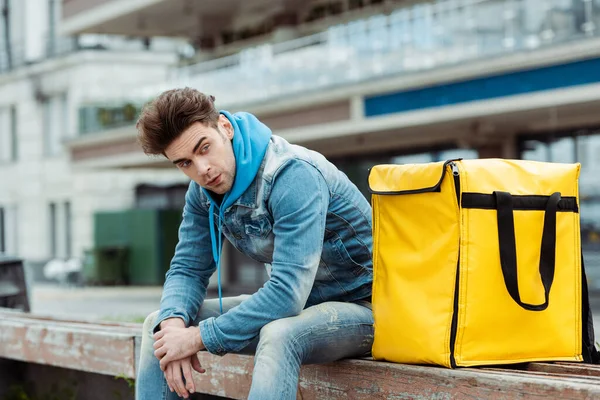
174, 321
198, 343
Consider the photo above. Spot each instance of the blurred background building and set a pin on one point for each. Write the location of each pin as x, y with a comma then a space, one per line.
362, 81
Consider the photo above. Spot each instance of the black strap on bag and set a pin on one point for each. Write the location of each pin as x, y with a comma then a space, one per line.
508, 260
588, 346
508, 248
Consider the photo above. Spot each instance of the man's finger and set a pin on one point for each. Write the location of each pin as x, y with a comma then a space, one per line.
169, 377
186, 368
196, 364
164, 361
167, 380
158, 335
160, 353
181, 390
158, 344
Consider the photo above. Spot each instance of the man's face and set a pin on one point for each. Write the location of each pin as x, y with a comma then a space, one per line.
205, 155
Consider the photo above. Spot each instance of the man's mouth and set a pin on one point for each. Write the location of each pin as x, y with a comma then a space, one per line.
215, 181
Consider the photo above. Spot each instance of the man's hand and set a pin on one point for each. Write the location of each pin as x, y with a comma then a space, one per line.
173, 375
175, 343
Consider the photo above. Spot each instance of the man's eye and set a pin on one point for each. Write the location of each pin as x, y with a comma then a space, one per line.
205, 148
184, 164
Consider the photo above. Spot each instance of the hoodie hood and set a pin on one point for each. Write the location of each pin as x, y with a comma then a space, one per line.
250, 141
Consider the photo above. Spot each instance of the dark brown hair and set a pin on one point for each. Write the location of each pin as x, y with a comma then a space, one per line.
165, 118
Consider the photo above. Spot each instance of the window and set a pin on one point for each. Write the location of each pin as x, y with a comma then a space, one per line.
2, 232
52, 18
8, 230
68, 229
8, 134
53, 229
160, 197
563, 150
577, 147
5, 49
13, 133
60, 229
55, 114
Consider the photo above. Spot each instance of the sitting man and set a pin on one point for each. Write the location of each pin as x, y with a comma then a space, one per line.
278, 203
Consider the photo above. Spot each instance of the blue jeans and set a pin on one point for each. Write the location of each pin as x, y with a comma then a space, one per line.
323, 333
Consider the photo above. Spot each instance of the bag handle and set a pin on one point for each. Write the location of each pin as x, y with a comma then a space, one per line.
508, 251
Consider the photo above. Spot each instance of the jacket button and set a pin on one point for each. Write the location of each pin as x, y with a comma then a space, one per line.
238, 237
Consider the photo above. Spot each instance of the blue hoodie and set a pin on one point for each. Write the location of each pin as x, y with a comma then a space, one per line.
250, 141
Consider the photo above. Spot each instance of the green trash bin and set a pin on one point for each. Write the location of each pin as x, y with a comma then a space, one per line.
107, 265
149, 237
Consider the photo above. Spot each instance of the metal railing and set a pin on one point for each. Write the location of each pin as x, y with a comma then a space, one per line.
100, 117
415, 38
62, 46
419, 37
17, 56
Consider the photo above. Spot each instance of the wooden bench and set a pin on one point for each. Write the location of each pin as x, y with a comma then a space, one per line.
113, 349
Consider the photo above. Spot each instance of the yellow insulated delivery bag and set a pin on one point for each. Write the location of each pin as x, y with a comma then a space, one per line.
478, 262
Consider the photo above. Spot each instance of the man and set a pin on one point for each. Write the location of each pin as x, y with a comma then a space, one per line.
281, 204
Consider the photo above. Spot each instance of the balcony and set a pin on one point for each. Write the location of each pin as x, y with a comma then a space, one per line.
14, 56
217, 26
422, 37
418, 38
147, 18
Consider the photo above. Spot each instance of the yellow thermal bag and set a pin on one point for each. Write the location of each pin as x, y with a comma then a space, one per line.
479, 262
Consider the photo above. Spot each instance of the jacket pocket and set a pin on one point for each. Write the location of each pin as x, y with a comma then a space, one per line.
259, 226
358, 263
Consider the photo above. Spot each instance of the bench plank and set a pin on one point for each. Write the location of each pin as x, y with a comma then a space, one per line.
566, 368
107, 351
78, 325
230, 376
6, 313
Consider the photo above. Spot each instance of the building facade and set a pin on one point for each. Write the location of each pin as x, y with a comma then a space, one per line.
368, 81
46, 202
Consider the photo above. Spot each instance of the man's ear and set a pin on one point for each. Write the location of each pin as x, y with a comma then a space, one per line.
224, 122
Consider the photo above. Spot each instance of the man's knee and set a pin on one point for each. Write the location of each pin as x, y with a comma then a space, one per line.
277, 332
212, 307
280, 343
209, 308
149, 323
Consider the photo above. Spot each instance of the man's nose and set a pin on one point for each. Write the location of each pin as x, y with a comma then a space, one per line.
202, 167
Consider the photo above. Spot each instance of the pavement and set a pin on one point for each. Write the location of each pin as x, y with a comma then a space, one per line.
127, 304
133, 304
110, 303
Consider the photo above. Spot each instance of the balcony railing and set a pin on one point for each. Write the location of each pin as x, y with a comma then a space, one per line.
71, 8
415, 38
100, 117
16, 57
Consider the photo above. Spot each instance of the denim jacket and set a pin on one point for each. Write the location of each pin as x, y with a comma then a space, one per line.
303, 218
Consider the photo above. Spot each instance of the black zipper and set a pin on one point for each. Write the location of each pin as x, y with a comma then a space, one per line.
435, 188
454, 325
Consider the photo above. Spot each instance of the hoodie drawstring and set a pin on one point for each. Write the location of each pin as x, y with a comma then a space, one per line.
250, 141
216, 248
